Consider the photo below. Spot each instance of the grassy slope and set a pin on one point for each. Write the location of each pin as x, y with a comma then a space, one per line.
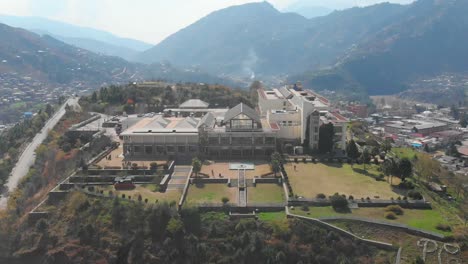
422, 219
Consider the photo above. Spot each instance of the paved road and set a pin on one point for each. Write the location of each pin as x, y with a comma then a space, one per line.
27, 158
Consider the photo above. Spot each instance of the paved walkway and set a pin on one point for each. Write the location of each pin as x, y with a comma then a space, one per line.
242, 188
179, 177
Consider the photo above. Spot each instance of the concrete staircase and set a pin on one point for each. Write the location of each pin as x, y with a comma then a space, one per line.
179, 177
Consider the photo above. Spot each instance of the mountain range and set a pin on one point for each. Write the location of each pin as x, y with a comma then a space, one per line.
94, 40
51, 61
307, 9
258, 39
428, 39
379, 49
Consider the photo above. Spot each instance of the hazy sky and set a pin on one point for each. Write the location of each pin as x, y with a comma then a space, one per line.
147, 20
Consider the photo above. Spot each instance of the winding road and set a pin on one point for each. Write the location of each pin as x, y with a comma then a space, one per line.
28, 157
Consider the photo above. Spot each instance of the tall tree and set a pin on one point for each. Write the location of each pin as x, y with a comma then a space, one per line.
389, 168
386, 145
365, 156
455, 112
452, 151
196, 164
352, 150
327, 134
405, 168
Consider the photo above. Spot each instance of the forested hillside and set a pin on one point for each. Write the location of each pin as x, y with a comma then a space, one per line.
85, 229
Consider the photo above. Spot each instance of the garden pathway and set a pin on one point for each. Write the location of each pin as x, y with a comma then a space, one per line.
179, 177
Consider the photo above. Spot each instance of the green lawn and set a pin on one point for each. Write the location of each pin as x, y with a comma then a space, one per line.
210, 193
422, 219
265, 193
272, 216
310, 179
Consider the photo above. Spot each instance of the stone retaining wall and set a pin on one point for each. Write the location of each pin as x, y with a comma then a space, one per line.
209, 180
267, 180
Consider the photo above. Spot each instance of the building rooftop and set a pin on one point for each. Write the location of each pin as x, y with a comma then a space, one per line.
241, 109
194, 103
159, 124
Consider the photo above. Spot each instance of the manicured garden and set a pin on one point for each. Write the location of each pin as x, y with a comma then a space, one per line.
265, 193
210, 193
272, 216
308, 180
427, 220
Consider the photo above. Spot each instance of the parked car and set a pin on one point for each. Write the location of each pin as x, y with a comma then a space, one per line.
124, 184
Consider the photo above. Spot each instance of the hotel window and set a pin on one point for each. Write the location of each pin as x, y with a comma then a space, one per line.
192, 149
148, 149
170, 149
181, 149
160, 149
137, 149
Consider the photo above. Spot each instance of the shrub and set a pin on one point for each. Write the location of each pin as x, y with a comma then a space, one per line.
390, 215
225, 200
153, 166
381, 177
415, 195
123, 196
406, 185
351, 198
444, 227
338, 202
395, 209
146, 200
321, 196
90, 188
305, 208
42, 225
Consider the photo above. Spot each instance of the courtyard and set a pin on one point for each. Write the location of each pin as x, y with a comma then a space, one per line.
214, 169
308, 180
